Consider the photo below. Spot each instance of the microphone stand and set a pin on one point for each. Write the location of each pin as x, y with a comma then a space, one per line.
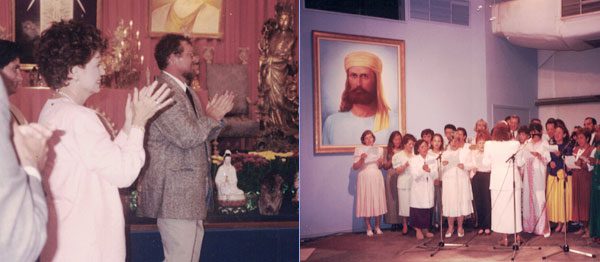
565, 248
442, 244
512, 161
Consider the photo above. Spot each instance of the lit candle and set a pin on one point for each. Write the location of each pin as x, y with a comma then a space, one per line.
147, 76
142, 59
122, 43
139, 45
130, 23
125, 32
137, 34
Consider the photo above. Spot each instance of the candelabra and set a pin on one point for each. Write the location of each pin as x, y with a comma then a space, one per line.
123, 63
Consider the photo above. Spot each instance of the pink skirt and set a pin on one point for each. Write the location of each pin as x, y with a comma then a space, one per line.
370, 192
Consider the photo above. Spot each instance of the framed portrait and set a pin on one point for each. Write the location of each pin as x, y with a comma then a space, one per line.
359, 84
31, 17
197, 18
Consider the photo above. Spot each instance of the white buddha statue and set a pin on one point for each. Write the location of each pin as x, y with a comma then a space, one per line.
226, 180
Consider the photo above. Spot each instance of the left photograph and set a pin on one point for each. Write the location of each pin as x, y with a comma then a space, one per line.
160, 130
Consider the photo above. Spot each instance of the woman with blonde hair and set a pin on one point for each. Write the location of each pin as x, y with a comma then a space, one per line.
480, 183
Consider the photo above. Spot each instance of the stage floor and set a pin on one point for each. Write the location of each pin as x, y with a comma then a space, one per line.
393, 246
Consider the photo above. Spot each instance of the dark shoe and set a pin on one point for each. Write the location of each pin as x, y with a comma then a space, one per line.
503, 242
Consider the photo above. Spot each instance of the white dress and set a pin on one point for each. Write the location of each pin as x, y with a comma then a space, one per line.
495, 154
457, 194
403, 184
370, 190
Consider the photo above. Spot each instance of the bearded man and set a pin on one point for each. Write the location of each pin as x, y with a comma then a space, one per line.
363, 103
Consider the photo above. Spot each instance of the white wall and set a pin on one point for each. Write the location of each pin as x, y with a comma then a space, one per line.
567, 74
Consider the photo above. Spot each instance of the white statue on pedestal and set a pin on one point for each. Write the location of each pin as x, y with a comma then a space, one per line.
226, 180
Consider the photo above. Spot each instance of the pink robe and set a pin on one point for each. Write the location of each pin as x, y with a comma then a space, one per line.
81, 180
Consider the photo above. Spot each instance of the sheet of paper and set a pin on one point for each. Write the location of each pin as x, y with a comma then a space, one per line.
570, 162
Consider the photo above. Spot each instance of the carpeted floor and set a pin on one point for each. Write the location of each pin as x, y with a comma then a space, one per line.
393, 246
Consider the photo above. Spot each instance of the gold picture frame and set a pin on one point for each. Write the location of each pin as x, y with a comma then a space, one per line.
329, 75
26, 22
204, 21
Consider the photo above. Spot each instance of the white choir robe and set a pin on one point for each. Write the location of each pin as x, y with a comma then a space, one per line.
422, 190
495, 154
403, 183
534, 187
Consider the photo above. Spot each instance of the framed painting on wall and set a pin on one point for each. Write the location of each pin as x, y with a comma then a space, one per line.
31, 17
197, 18
358, 85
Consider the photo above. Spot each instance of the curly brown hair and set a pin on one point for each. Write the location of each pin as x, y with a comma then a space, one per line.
167, 45
501, 132
64, 45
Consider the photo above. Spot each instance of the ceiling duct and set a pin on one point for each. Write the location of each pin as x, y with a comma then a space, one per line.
539, 24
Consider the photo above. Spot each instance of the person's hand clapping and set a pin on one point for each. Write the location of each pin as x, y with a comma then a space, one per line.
149, 100
220, 105
30, 144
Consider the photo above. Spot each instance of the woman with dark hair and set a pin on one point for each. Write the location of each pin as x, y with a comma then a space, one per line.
87, 168
400, 163
422, 170
436, 149
555, 183
456, 192
370, 191
391, 189
480, 183
523, 134
506, 202
535, 157
582, 178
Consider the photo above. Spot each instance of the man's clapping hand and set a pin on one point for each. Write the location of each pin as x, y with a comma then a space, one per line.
220, 105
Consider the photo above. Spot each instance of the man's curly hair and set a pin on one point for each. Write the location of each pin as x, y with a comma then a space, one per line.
64, 45
167, 45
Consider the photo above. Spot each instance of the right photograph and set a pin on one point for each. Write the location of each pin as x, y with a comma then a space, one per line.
449, 130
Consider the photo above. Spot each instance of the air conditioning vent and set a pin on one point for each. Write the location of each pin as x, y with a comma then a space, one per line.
444, 11
578, 7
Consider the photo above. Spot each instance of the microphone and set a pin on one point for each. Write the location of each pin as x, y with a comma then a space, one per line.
439, 157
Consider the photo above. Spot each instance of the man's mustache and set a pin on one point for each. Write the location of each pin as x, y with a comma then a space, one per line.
359, 90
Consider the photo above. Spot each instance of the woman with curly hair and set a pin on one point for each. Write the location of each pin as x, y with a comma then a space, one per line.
86, 169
